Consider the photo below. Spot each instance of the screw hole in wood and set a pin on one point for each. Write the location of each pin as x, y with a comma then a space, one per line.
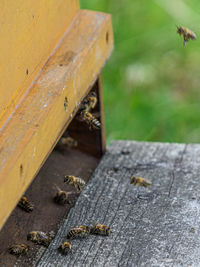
21, 169
107, 37
65, 103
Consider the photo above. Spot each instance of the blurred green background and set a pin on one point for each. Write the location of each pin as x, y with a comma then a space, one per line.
151, 82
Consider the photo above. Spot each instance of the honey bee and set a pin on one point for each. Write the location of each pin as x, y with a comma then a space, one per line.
78, 232
100, 229
77, 182
68, 141
186, 33
25, 204
65, 248
61, 197
40, 238
18, 249
90, 101
90, 119
139, 181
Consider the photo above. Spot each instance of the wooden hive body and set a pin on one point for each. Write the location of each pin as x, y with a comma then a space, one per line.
52, 55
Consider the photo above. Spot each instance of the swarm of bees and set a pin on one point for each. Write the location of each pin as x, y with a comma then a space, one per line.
186, 33
85, 115
65, 248
139, 181
62, 197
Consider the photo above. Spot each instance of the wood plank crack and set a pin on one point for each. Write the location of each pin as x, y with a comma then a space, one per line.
177, 163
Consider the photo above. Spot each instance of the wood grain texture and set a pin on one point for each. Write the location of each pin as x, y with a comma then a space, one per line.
33, 129
29, 31
157, 226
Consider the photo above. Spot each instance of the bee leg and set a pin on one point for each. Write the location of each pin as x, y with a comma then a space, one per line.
185, 40
69, 202
79, 188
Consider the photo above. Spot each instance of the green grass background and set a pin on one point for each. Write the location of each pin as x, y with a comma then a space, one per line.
152, 82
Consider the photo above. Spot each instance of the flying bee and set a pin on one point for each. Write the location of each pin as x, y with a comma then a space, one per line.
90, 120
186, 33
61, 197
65, 248
18, 249
40, 238
100, 229
78, 232
25, 204
77, 182
139, 181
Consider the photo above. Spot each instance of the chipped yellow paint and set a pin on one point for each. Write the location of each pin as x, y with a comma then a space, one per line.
39, 120
29, 31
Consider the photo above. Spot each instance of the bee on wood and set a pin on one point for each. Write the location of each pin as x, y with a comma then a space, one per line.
186, 33
78, 232
65, 248
100, 229
90, 120
139, 181
61, 197
90, 101
66, 141
52, 234
25, 204
39, 238
77, 182
18, 249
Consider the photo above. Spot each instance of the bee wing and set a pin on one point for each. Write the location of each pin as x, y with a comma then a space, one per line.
56, 187
43, 235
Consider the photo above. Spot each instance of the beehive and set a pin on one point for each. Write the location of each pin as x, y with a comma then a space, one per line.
52, 53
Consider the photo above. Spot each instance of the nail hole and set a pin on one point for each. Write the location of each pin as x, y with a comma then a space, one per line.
107, 37
65, 103
60, 64
21, 170
27, 72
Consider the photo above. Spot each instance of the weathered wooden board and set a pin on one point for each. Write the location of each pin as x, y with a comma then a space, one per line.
29, 32
33, 129
157, 226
